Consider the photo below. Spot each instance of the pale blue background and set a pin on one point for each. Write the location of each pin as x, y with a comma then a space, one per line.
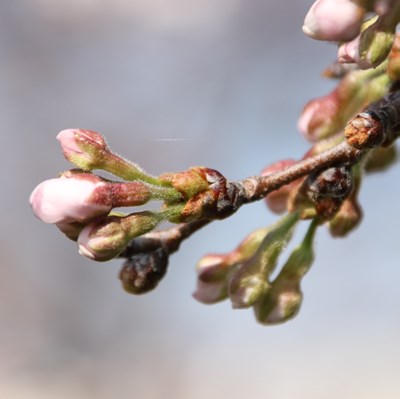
229, 78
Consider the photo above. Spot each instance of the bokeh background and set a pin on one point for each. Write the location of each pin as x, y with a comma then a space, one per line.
176, 83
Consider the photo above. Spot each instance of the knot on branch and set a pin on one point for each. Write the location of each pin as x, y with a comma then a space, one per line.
220, 200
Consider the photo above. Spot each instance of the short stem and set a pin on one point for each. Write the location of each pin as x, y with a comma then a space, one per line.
171, 214
129, 171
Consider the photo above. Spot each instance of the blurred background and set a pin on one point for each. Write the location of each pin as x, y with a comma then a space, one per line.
171, 84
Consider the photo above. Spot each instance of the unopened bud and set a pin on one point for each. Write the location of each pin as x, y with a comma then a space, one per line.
348, 52
250, 282
277, 201
84, 148
376, 42
143, 272
212, 278
74, 197
347, 219
325, 116
284, 299
105, 239
333, 20
215, 270
88, 150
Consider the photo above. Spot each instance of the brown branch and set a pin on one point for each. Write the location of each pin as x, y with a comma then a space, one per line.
378, 125
258, 187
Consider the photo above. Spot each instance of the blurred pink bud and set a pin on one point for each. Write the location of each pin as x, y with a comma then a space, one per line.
84, 148
382, 7
334, 20
71, 198
212, 278
317, 116
348, 52
277, 200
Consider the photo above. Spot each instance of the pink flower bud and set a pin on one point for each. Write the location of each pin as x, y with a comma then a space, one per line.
212, 278
317, 117
277, 200
348, 52
84, 148
71, 198
334, 20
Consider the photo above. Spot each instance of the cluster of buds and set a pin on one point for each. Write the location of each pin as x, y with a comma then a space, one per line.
83, 204
352, 130
244, 274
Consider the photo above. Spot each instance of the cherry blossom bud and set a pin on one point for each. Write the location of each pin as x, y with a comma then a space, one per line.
84, 148
350, 213
325, 116
277, 200
348, 51
212, 281
143, 272
347, 219
284, 298
333, 20
105, 239
215, 270
250, 283
88, 150
71, 198
376, 42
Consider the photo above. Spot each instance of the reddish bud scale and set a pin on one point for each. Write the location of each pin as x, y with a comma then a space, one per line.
328, 189
220, 200
84, 148
188, 183
365, 131
335, 182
